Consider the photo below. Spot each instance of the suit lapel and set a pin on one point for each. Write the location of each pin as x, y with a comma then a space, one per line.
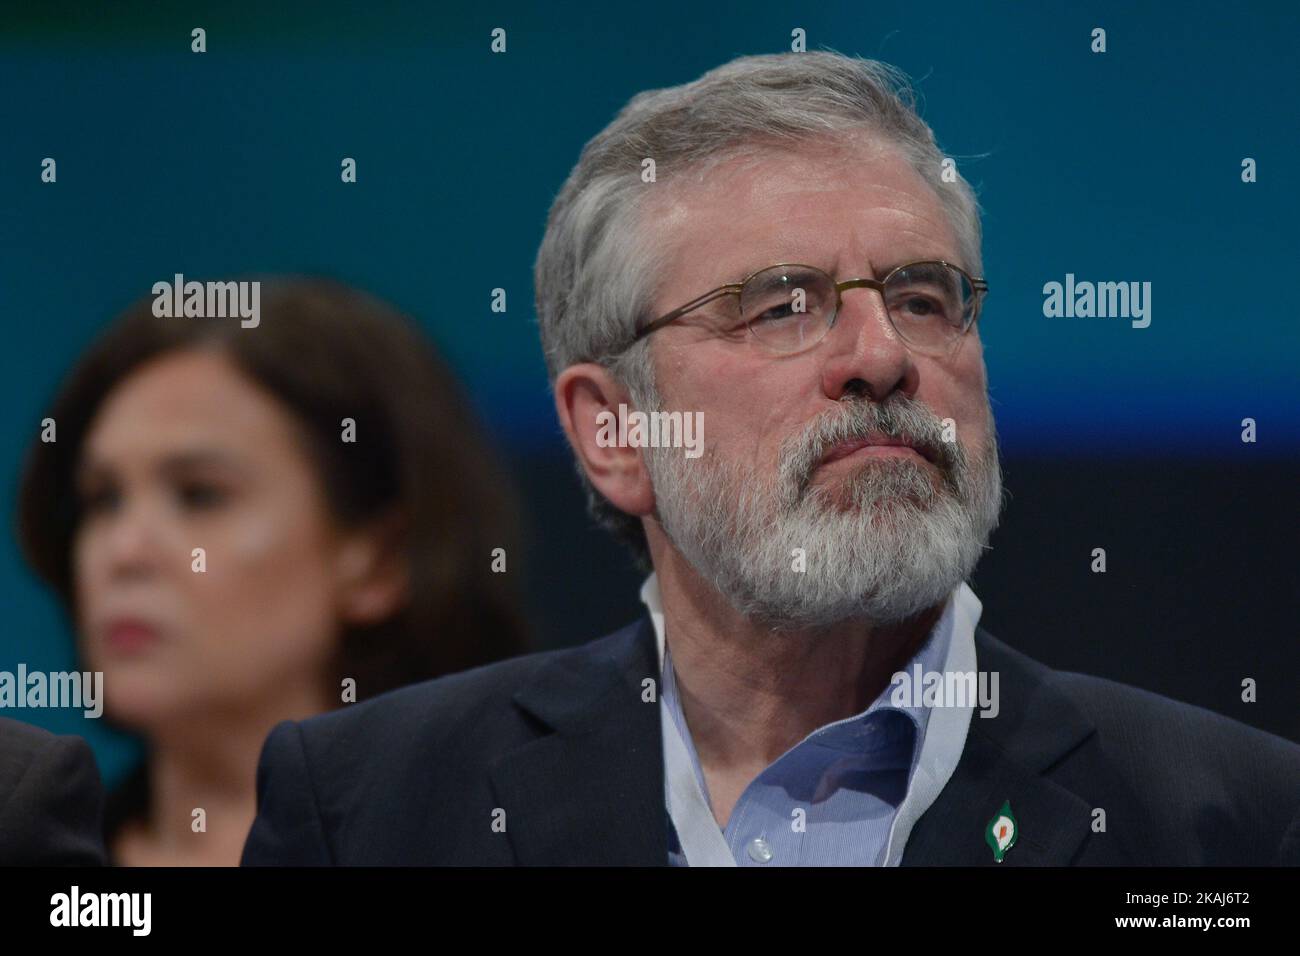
1004, 760
590, 790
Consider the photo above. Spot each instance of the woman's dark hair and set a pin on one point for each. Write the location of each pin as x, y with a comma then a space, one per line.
329, 352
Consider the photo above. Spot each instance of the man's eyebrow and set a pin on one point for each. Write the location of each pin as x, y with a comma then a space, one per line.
736, 276
751, 266
929, 267
740, 274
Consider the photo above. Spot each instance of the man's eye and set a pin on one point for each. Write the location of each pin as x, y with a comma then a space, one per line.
918, 307
776, 313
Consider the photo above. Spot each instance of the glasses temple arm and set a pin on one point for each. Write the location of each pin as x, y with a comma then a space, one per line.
659, 323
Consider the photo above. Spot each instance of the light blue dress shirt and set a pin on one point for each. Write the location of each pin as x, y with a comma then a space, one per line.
832, 799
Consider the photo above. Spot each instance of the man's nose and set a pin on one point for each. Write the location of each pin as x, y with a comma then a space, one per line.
864, 353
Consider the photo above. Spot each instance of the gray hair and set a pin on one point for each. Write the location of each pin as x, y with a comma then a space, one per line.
598, 270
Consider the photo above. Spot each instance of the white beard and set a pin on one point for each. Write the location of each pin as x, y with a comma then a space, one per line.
881, 545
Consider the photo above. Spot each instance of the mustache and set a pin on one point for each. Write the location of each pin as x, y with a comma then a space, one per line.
900, 418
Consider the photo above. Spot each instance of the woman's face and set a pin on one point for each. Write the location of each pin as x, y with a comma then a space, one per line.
187, 453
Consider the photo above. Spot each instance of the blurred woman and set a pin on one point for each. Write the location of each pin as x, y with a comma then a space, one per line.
250, 525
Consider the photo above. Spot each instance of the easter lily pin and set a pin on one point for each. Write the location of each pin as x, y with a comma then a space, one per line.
1002, 831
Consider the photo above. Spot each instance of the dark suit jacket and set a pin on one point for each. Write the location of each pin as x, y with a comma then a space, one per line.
563, 743
51, 801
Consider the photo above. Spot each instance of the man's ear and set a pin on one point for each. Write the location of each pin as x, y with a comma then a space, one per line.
373, 572
587, 400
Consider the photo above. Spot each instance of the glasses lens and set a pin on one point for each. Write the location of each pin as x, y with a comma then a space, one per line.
930, 303
787, 307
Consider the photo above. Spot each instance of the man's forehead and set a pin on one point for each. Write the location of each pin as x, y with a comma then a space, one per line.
752, 211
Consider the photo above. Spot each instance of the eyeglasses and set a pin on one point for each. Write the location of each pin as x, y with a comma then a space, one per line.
790, 307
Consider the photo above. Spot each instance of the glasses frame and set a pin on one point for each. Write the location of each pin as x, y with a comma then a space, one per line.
979, 288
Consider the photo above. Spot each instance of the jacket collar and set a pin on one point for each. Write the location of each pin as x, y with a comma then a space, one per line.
1006, 759
590, 788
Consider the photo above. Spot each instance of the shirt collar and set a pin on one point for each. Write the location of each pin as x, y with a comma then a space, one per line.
961, 610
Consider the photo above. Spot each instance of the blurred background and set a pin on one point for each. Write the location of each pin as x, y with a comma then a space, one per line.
1122, 166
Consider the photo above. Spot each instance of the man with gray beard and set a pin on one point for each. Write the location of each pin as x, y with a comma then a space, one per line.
897, 541
810, 683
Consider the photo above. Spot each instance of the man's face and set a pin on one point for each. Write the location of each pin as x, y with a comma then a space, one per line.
780, 470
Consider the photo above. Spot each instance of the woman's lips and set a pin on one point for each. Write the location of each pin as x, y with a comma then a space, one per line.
129, 635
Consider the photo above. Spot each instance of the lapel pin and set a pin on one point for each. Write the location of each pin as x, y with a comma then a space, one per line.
1001, 832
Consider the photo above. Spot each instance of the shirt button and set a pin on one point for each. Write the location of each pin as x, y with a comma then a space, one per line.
759, 851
